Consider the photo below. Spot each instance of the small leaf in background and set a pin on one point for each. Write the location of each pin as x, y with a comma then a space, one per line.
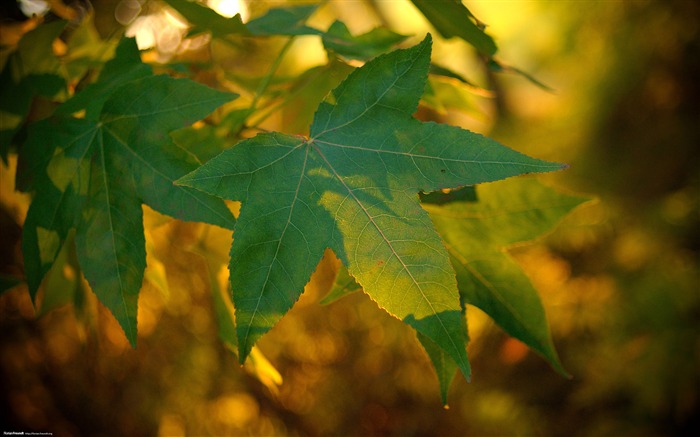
205, 19
32, 69
284, 21
451, 18
353, 186
94, 174
338, 39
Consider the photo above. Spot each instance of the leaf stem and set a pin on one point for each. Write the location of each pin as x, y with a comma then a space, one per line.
268, 78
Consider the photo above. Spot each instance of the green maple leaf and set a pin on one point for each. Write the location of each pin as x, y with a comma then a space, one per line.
352, 186
94, 173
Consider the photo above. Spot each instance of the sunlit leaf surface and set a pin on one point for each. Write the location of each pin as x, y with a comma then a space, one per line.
353, 186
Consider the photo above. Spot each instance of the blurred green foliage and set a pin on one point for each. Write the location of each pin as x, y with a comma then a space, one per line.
619, 279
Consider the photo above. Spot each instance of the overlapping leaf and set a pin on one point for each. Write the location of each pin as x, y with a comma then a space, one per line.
94, 173
476, 234
353, 186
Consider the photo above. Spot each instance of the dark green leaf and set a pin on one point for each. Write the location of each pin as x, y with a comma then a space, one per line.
444, 365
352, 186
452, 18
368, 45
94, 174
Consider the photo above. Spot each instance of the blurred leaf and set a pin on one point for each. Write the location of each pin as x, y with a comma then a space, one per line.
222, 306
353, 187
8, 282
308, 92
94, 174
452, 18
205, 19
86, 50
442, 96
62, 280
343, 285
368, 45
446, 72
32, 69
262, 368
284, 21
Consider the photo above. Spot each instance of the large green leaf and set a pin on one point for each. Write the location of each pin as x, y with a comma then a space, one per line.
353, 186
95, 174
452, 18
